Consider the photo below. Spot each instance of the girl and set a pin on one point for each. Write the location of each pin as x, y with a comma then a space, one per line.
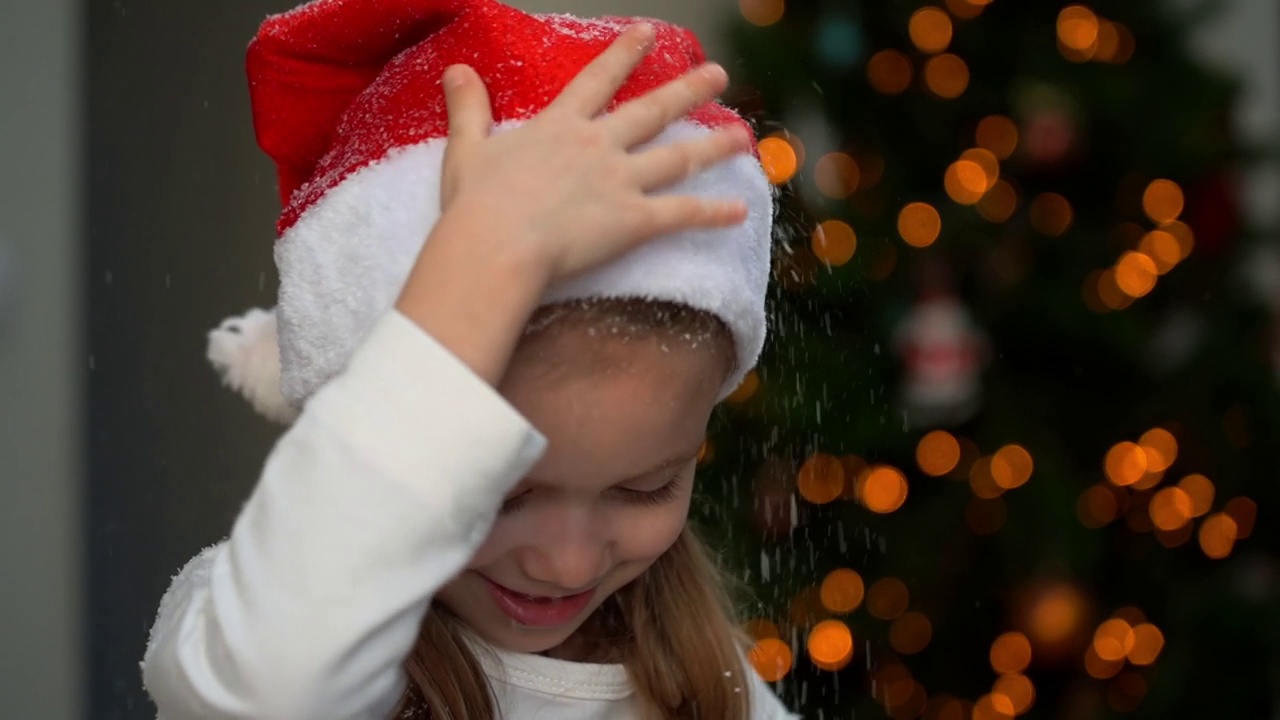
480, 511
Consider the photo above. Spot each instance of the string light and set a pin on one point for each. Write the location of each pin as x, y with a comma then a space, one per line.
821, 479
1136, 274
1010, 653
1011, 466
842, 591
771, 658
836, 175
887, 599
778, 159
1113, 640
938, 453
883, 489
1162, 201
910, 633
1019, 691
834, 242
1077, 33
1170, 508
965, 182
919, 224
830, 645
1218, 535
1125, 463
1148, 642
993, 707
999, 203
1051, 214
946, 76
998, 134
889, 72
762, 13
930, 29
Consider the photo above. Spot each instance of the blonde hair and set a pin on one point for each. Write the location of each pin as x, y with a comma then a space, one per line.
674, 628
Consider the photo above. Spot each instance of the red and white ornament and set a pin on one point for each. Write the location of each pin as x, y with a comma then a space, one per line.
943, 353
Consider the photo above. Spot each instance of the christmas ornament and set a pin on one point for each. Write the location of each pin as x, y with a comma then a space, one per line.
943, 354
1049, 120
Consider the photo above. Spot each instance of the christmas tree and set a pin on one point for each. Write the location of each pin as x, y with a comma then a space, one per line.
1006, 452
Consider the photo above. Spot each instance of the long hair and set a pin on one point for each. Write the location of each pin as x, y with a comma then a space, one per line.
673, 628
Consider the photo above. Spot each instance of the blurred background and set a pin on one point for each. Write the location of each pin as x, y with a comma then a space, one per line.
1012, 450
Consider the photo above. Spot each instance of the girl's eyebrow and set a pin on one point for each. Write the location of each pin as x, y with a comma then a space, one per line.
669, 463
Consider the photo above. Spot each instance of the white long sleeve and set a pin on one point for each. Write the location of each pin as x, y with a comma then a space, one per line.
375, 498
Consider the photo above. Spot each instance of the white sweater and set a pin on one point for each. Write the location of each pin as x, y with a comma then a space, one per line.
375, 498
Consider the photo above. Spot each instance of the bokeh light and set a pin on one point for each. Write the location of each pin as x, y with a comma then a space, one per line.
985, 516
1113, 639
981, 481
778, 159
993, 707
1078, 29
1010, 653
938, 453
1136, 274
762, 13
889, 72
1100, 668
842, 591
1162, 201
998, 134
1019, 690
1054, 615
1201, 491
836, 175
986, 160
761, 628
834, 242
1126, 692
887, 598
1011, 466
1051, 214
1125, 463
910, 633
1161, 449
1163, 248
930, 29
830, 645
946, 76
999, 203
1098, 505
883, 489
750, 383
965, 182
771, 658
919, 224
821, 479
1244, 512
1148, 643
1218, 534
1170, 508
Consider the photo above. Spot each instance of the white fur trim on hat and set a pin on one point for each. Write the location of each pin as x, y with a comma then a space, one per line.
344, 262
245, 352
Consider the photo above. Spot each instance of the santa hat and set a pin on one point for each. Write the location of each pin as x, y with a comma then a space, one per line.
347, 100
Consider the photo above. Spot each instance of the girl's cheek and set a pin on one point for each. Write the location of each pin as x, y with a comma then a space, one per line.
500, 541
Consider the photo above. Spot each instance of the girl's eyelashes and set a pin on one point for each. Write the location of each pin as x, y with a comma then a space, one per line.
660, 496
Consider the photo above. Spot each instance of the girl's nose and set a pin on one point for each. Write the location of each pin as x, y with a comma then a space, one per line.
570, 559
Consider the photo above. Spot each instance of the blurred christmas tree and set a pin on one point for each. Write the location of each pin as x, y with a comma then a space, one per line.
1007, 449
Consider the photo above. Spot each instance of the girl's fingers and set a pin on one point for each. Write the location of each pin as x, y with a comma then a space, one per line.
591, 91
666, 165
667, 214
644, 117
467, 101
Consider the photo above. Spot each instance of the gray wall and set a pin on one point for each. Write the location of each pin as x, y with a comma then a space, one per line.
42, 361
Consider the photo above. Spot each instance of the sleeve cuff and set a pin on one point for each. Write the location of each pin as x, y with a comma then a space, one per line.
419, 414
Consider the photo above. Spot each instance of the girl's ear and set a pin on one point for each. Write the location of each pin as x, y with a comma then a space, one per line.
246, 353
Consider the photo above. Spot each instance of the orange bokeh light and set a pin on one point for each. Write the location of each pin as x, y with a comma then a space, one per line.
1126, 463
842, 591
750, 383
821, 479
888, 598
1078, 28
1136, 274
1011, 466
1218, 535
762, 13
1051, 214
1098, 505
1010, 653
999, 203
910, 633
830, 645
1019, 690
834, 242
778, 159
919, 224
1162, 201
836, 175
883, 489
889, 72
1170, 508
1148, 642
771, 658
1244, 512
946, 76
930, 29
938, 453
1161, 449
997, 134
1113, 639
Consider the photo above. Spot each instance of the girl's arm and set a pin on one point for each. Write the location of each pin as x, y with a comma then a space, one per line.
378, 495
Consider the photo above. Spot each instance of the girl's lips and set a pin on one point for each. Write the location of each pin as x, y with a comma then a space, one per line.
538, 612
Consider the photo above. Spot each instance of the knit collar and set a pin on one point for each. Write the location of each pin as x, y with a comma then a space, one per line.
563, 678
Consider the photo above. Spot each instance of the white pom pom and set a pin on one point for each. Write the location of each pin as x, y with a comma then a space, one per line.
246, 353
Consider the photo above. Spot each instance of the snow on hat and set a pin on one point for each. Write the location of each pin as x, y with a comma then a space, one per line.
347, 100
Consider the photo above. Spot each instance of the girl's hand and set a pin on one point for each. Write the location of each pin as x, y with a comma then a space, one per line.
564, 191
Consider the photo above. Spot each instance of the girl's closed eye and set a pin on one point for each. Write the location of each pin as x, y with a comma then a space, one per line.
658, 496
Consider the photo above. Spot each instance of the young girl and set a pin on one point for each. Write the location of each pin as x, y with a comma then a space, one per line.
480, 510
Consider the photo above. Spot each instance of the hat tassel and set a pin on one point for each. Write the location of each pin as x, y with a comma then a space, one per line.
245, 350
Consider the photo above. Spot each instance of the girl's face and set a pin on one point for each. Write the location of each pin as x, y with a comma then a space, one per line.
611, 494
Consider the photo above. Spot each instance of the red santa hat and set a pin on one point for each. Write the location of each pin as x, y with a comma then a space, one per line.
347, 100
